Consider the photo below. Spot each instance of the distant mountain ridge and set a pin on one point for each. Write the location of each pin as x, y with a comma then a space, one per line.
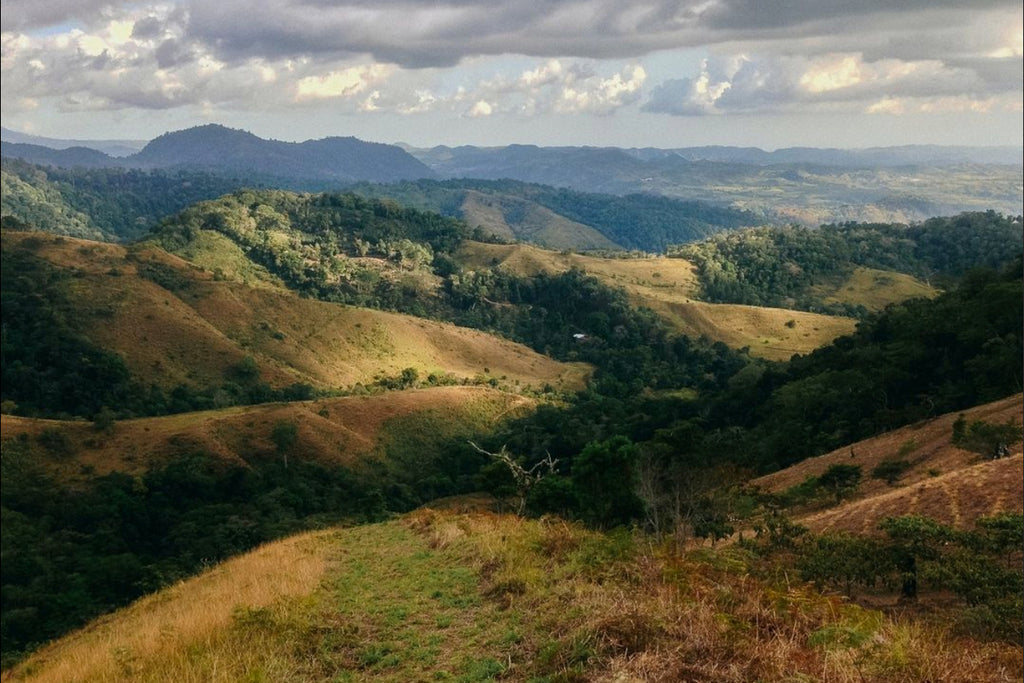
115, 148
802, 185
313, 164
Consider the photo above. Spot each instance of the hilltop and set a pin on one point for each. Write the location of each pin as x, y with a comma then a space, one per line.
481, 597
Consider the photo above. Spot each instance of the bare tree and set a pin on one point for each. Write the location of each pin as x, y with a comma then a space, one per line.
525, 479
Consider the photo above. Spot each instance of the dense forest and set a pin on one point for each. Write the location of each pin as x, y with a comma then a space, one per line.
103, 203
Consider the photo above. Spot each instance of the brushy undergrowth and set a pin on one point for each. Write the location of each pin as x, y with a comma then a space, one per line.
439, 596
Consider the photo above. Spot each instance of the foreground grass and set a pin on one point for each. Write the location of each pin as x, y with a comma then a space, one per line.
479, 597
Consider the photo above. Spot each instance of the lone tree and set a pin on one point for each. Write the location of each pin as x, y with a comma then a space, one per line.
525, 479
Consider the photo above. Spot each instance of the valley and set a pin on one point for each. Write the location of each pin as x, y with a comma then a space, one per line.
260, 427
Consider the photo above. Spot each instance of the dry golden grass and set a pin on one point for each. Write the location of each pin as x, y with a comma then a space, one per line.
772, 333
158, 637
875, 289
343, 430
195, 335
942, 481
475, 597
668, 287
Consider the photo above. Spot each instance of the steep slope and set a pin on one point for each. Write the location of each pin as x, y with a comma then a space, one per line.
557, 217
513, 218
938, 480
174, 323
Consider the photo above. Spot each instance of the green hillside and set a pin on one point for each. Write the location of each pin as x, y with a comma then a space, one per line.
809, 269
104, 203
560, 218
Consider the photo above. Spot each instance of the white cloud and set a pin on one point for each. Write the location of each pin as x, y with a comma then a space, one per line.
481, 108
833, 82
343, 83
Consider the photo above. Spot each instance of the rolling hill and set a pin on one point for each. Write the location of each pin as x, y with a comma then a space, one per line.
174, 323
313, 164
348, 431
669, 287
939, 480
804, 186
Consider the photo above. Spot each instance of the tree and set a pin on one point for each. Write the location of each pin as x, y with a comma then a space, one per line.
284, 435
525, 479
913, 539
841, 480
604, 476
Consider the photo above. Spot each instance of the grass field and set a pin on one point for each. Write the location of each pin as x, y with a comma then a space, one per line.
439, 596
668, 287
345, 430
875, 289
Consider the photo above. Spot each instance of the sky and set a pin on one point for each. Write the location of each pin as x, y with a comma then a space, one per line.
627, 73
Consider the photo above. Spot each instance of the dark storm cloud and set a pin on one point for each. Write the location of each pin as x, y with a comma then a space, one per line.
753, 15
22, 15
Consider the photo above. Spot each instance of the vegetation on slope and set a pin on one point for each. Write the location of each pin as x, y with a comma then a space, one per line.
634, 221
481, 597
789, 267
96, 515
140, 332
104, 203
344, 248
912, 361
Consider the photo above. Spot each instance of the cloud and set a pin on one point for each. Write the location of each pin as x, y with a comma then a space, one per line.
392, 55
834, 82
344, 83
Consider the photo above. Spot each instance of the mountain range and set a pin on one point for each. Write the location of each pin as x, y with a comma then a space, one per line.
802, 185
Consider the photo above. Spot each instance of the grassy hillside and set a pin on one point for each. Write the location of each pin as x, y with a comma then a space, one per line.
174, 323
560, 218
669, 287
96, 515
873, 289
442, 596
824, 269
936, 478
349, 431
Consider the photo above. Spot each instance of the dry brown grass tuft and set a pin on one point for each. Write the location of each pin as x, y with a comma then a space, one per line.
156, 637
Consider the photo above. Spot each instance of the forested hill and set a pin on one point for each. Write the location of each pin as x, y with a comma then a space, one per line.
309, 165
111, 204
801, 268
506, 208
